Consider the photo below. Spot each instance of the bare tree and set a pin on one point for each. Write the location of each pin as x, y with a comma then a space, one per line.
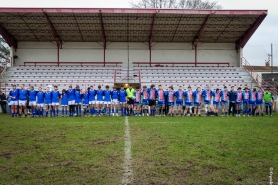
183, 4
4, 51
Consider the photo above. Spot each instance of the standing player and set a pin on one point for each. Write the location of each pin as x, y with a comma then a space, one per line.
171, 101
137, 102
33, 100
179, 101
71, 100
145, 102
239, 98
130, 100
152, 99
55, 101
122, 98
107, 100
92, 100
115, 97
99, 101
22, 100
268, 99
224, 101
216, 101
188, 101
207, 99
197, 101
246, 97
40, 102
161, 100
64, 102
78, 100
14, 93
260, 96
48, 102
252, 101
85, 97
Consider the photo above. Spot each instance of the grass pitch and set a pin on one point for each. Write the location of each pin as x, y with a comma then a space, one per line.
165, 150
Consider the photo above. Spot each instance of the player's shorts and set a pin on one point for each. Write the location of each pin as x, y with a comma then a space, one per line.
64, 105
122, 102
85, 105
179, 103
268, 104
238, 103
171, 104
152, 102
99, 102
40, 104
161, 103
145, 102
32, 103
130, 101
115, 102
107, 102
48, 104
196, 104
207, 102
71, 102
259, 102
92, 102
55, 103
216, 104
137, 103
245, 103
13, 102
252, 103
225, 102
188, 104
22, 102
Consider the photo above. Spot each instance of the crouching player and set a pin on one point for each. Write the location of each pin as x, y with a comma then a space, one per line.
260, 96
145, 102
115, 97
161, 100
216, 101
85, 98
137, 101
197, 101
238, 101
171, 103
40, 102
32, 100
268, 99
64, 103
188, 101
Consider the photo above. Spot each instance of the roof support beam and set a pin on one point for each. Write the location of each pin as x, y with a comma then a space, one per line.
201, 31
9, 38
53, 30
102, 29
151, 32
78, 28
176, 29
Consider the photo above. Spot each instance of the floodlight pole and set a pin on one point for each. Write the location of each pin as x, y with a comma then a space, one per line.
271, 58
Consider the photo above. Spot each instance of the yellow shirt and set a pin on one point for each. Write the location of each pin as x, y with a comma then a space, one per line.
130, 93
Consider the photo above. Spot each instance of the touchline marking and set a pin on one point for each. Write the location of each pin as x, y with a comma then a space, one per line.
128, 174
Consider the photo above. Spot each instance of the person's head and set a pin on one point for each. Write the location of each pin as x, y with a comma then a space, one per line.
107, 87
254, 89
114, 87
217, 90
55, 87
47, 89
198, 89
31, 88
171, 88
152, 86
77, 87
64, 91
14, 87
208, 87
180, 88
40, 89
144, 87
22, 87
239, 89
259, 88
91, 87
266, 90
122, 87
189, 88
246, 89
225, 88
130, 86
70, 87
160, 87
99, 87
0, 92
232, 88
86, 91
137, 88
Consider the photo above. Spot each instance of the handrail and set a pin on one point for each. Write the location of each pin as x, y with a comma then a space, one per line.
63, 63
157, 64
256, 77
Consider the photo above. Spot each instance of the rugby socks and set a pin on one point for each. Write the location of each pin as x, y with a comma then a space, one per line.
80, 112
63, 112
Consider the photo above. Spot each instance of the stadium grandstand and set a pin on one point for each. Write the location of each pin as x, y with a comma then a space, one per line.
107, 46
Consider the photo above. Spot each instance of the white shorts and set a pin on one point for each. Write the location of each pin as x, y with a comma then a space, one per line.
48, 104
22, 102
99, 102
85, 105
64, 105
115, 102
122, 103
13, 102
55, 103
92, 102
107, 102
72, 102
78, 103
40, 104
32, 103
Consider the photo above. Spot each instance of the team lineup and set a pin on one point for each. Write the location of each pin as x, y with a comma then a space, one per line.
139, 102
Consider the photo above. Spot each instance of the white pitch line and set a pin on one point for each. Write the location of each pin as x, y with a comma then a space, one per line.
128, 174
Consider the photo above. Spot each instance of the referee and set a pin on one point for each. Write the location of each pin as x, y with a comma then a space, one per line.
130, 94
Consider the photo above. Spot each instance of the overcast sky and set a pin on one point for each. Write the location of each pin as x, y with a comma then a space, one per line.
256, 50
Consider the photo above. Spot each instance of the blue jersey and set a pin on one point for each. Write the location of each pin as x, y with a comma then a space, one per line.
253, 96
145, 95
48, 97
23, 94
92, 94
40, 98
115, 95
152, 93
55, 96
64, 99
224, 95
188, 96
122, 95
179, 95
71, 94
260, 96
15, 94
85, 98
207, 95
245, 97
197, 96
77, 96
137, 95
161, 95
99, 94
216, 97
239, 97
33, 95
107, 95
171, 95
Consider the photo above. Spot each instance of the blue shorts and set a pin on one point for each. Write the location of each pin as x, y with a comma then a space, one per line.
160, 103
259, 102
224, 102
137, 103
207, 102
252, 103
179, 103
171, 104
238, 103
188, 104
216, 103
196, 104
268, 104
245, 103
145, 102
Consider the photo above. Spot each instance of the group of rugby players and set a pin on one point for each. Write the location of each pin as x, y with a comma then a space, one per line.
138, 102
